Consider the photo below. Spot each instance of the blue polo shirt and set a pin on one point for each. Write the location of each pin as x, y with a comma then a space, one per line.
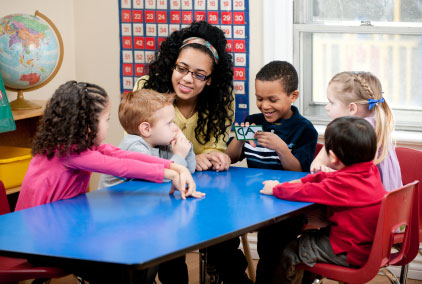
297, 132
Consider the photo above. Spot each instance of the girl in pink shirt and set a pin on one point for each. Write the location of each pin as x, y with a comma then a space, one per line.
68, 147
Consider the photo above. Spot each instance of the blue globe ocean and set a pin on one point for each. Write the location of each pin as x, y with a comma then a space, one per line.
29, 51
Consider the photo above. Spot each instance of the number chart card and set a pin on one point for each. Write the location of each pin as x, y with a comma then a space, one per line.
145, 24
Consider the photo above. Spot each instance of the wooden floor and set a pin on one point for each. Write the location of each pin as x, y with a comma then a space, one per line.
192, 260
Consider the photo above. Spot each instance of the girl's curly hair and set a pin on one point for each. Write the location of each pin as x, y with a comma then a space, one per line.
70, 121
214, 104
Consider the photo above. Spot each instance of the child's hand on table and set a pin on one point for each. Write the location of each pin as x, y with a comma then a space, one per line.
184, 182
175, 182
268, 187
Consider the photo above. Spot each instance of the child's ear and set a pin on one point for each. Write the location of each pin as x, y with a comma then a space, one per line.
145, 129
335, 162
294, 96
353, 109
333, 158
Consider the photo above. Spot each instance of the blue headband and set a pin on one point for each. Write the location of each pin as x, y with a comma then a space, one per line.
373, 103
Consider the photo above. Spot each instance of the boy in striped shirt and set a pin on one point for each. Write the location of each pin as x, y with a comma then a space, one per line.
288, 140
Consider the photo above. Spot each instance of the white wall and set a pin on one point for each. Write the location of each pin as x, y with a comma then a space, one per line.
90, 31
97, 53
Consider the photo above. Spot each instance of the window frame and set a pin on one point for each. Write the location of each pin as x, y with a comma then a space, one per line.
302, 59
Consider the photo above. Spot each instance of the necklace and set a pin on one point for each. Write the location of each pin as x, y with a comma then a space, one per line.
189, 116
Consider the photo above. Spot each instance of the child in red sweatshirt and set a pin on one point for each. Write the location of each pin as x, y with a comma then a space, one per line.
352, 194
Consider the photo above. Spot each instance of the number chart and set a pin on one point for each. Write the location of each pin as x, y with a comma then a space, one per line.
145, 24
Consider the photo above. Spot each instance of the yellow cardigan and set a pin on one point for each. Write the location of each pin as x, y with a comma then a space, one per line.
188, 127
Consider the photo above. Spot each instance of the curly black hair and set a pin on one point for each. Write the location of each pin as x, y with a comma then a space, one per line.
280, 70
70, 121
214, 104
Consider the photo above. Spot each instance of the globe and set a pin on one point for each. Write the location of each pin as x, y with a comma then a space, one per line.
30, 52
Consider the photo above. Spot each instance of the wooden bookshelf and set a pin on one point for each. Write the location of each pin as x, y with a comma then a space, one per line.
26, 125
23, 114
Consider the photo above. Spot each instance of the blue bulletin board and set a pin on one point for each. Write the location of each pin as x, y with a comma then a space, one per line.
144, 24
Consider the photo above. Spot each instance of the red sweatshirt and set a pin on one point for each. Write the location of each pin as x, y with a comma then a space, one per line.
353, 197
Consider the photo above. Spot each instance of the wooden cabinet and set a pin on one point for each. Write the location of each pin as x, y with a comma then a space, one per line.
26, 126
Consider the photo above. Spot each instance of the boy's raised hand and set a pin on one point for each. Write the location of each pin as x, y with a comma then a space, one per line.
180, 145
269, 140
246, 124
319, 164
268, 187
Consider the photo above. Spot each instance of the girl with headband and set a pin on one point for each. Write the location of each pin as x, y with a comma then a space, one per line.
193, 63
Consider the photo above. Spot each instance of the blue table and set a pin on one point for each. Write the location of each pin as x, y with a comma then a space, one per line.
138, 224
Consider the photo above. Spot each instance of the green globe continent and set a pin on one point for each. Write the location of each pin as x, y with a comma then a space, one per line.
29, 51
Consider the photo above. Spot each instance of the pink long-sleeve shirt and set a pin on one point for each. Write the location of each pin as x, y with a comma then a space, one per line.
66, 177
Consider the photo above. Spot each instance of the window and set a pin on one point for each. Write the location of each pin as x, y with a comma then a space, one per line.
383, 37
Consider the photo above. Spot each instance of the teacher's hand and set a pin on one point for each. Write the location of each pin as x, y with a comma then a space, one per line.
215, 160
202, 162
220, 161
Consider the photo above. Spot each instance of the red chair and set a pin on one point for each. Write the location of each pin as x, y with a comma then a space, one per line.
397, 209
318, 148
18, 269
410, 161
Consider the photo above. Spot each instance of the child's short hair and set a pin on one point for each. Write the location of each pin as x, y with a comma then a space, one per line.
352, 139
140, 106
280, 70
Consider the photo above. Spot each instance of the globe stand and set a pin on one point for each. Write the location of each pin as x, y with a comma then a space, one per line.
21, 104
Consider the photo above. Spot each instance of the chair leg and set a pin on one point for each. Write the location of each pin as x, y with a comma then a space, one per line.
393, 279
202, 266
403, 274
247, 251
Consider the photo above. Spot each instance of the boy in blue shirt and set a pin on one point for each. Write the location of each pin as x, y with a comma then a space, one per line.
287, 142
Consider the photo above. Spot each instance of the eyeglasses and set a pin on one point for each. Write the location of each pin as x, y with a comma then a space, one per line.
183, 70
